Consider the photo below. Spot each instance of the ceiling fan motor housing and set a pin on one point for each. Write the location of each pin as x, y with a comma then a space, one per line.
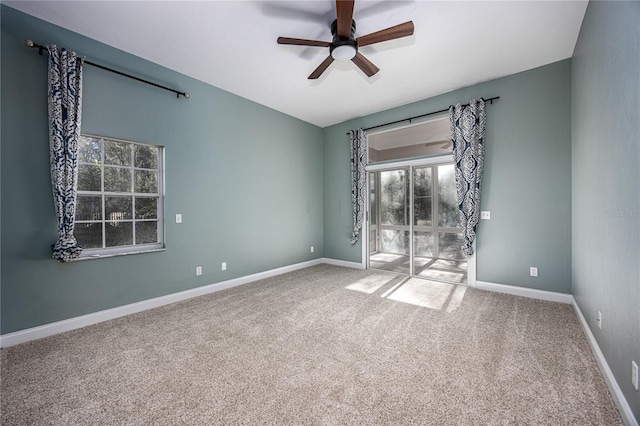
339, 41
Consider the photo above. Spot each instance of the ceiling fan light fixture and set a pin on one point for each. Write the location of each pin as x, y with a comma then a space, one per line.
345, 52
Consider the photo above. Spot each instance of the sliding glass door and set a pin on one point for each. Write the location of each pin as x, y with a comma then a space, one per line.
437, 233
414, 223
390, 218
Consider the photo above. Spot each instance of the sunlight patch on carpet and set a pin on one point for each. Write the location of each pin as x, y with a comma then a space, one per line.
428, 294
415, 291
370, 284
442, 275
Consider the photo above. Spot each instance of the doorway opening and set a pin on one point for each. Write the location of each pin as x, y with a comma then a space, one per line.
414, 224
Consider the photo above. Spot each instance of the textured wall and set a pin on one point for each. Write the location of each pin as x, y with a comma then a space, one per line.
247, 180
527, 181
606, 190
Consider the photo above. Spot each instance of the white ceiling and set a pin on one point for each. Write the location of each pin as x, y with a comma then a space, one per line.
232, 45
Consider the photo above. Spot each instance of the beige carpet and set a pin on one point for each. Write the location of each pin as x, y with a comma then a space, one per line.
323, 345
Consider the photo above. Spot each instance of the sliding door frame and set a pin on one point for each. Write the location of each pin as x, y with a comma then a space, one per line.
410, 164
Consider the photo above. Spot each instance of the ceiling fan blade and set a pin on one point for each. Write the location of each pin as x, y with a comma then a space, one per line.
344, 9
365, 65
303, 42
391, 33
321, 68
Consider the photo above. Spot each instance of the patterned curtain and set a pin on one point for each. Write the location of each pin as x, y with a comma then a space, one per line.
467, 135
65, 111
358, 179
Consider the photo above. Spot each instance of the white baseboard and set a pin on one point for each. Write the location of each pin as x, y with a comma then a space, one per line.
22, 336
336, 262
550, 296
616, 392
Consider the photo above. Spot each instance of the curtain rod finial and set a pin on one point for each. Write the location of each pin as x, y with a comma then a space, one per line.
186, 95
30, 43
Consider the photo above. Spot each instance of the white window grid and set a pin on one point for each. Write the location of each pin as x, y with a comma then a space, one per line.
159, 195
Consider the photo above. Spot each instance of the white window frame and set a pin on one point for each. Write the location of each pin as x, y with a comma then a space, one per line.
95, 253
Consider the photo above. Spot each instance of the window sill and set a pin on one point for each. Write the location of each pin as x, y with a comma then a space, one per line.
106, 255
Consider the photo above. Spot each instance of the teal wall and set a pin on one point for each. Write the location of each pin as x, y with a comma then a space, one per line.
247, 180
606, 183
527, 180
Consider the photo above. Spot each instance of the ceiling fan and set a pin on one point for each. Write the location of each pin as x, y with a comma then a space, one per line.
345, 45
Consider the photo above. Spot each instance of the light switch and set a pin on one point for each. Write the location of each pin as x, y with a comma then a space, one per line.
178, 218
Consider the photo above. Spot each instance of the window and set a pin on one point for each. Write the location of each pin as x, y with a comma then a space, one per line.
427, 139
120, 205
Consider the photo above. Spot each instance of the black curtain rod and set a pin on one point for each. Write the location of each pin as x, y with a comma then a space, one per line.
32, 44
490, 100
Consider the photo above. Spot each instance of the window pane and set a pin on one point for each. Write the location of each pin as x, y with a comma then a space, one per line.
451, 245
372, 241
448, 215
422, 211
422, 182
89, 178
117, 208
393, 198
373, 215
428, 138
88, 235
423, 244
146, 232
392, 241
88, 208
119, 234
146, 181
146, 208
117, 179
117, 153
145, 157
89, 150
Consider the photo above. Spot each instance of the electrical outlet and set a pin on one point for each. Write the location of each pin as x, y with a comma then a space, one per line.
599, 320
198, 270
312, 249
223, 267
485, 215
634, 374
533, 271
